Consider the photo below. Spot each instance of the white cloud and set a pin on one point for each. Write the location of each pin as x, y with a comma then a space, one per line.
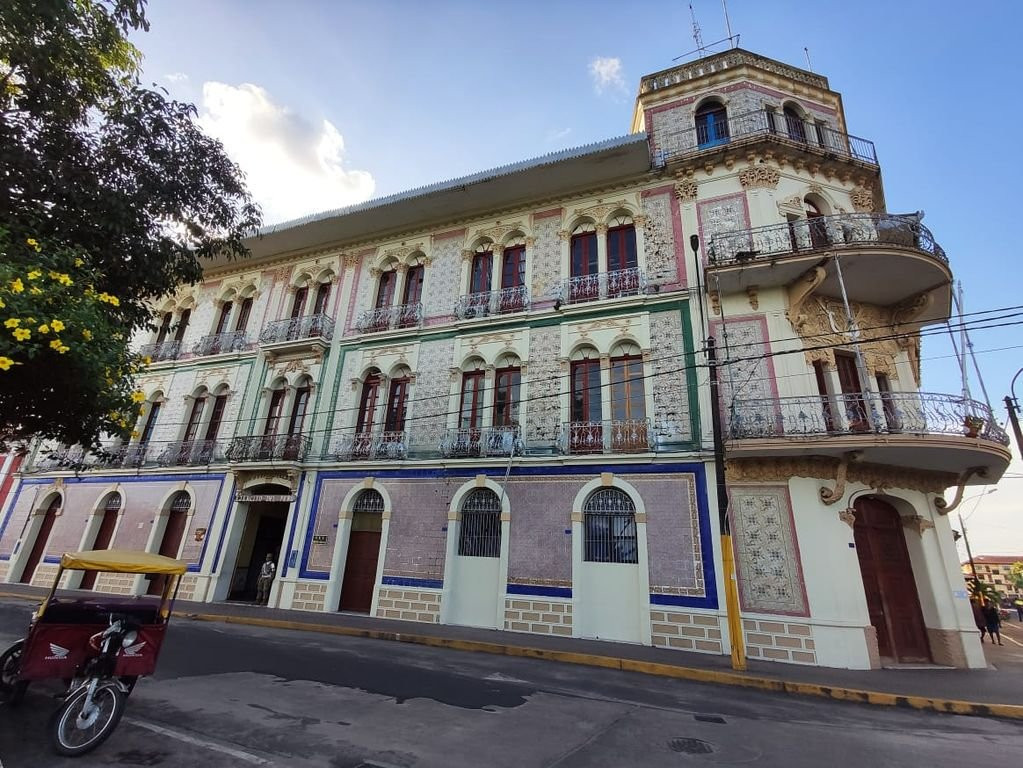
293, 167
176, 77
607, 74
556, 135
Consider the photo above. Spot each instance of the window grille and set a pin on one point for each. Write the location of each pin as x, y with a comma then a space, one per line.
113, 503
369, 501
480, 532
181, 502
610, 527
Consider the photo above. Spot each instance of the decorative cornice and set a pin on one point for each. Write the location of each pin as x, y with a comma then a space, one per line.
686, 190
759, 177
876, 476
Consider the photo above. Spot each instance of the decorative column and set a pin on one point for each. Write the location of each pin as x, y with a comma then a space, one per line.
399, 283
602, 251
496, 268
488, 395
465, 272
606, 402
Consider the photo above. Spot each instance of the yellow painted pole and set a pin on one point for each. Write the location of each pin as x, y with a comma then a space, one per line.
732, 604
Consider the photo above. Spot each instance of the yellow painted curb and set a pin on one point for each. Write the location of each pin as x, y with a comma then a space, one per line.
876, 698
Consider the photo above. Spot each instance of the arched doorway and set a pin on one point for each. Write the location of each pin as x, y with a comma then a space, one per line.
360, 574
262, 534
173, 532
892, 599
41, 538
475, 595
105, 533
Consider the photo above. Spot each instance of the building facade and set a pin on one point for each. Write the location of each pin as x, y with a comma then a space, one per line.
486, 402
995, 570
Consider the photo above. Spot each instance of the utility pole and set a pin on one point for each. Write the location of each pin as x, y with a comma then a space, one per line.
727, 555
1013, 418
969, 552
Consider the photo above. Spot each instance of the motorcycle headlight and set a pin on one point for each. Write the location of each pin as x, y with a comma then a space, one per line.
129, 638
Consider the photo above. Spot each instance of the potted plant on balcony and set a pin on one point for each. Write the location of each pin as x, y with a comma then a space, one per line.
973, 424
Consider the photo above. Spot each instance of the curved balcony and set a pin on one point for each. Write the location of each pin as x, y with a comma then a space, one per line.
390, 318
297, 334
268, 448
164, 350
481, 443
885, 258
489, 303
602, 285
222, 343
921, 430
369, 446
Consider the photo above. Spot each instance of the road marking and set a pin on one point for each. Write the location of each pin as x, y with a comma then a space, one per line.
246, 756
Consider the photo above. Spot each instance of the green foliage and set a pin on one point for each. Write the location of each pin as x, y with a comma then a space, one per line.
1016, 576
100, 168
981, 590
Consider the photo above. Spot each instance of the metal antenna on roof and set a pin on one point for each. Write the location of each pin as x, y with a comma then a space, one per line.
807, 52
697, 35
728, 23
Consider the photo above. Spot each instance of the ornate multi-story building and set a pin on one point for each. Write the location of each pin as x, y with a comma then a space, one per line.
486, 402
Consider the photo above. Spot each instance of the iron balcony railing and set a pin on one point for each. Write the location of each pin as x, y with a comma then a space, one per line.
602, 285
847, 230
165, 350
907, 413
298, 328
609, 436
389, 318
269, 448
129, 456
188, 453
762, 122
489, 303
480, 443
369, 446
220, 343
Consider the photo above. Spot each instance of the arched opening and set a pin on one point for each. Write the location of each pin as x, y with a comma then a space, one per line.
42, 537
173, 533
584, 263
476, 596
586, 414
794, 124
816, 222
359, 580
711, 124
104, 534
893, 602
263, 513
513, 275
629, 432
609, 527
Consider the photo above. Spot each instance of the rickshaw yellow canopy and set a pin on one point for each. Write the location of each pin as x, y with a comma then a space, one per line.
122, 561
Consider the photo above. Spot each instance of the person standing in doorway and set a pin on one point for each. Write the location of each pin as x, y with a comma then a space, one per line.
266, 579
993, 621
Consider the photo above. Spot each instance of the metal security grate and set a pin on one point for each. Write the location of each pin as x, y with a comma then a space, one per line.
609, 518
369, 501
181, 502
113, 502
480, 532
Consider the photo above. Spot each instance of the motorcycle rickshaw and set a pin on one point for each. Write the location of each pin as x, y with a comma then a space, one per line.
99, 644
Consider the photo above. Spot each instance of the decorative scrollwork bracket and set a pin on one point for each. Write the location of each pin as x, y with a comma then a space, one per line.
944, 507
831, 495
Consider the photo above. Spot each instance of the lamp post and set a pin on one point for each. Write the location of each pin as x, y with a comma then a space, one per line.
1012, 404
962, 525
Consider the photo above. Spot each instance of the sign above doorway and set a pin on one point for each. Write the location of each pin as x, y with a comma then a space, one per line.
271, 497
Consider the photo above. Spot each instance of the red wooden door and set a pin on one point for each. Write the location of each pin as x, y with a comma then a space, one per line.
169, 545
102, 541
852, 391
39, 546
360, 571
892, 599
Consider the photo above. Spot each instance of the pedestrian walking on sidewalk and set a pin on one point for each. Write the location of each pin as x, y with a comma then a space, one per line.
266, 579
979, 620
1019, 608
993, 621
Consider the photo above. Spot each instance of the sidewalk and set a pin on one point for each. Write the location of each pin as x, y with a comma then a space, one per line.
996, 691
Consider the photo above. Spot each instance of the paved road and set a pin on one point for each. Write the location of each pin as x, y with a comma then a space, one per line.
234, 696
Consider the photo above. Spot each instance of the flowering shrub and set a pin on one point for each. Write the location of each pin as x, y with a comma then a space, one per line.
63, 341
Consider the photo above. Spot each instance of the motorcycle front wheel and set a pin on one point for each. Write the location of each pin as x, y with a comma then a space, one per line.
12, 690
75, 730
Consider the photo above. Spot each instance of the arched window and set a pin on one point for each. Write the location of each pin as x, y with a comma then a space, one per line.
368, 502
711, 124
41, 540
368, 403
397, 401
609, 521
195, 416
470, 408
151, 418
322, 297
105, 534
794, 124
300, 406
243, 314
223, 317
628, 400
112, 503
273, 412
479, 534
586, 413
507, 384
818, 226
165, 325
621, 244
181, 502
216, 415
482, 269
298, 303
183, 318
385, 288
414, 285
584, 264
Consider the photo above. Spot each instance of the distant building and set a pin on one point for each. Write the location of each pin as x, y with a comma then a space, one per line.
994, 569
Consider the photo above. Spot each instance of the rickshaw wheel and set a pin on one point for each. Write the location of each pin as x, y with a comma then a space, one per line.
12, 690
73, 731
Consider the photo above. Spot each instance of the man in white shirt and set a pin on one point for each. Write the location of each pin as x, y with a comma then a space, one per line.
266, 578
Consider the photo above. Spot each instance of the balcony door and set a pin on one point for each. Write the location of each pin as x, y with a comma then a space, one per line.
470, 413
855, 405
586, 433
628, 404
482, 270
513, 275
363, 439
585, 267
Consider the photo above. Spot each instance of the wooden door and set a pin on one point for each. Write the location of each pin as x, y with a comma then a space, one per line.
892, 599
360, 571
169, 545
39, 545
102, 541
853, 403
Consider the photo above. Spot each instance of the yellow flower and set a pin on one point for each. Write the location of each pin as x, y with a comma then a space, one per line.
87, 334
63, 348
5, 363
44, 328
79, 262
34, 243
60, 277
57, 325
35, 274
134, 434
2, 304
17, 286
138, 397
112, 300
12, 322
147, 360
34, 291
22, 333
55, 344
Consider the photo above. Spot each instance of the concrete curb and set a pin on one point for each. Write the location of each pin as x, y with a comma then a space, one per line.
840, 693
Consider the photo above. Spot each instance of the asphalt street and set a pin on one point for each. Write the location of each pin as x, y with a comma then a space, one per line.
227, 695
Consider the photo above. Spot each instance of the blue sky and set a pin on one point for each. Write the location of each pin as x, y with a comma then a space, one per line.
328, 103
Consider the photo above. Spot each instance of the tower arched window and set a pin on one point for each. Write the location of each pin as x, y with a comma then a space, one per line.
711, 124
794, 124
479, 534
609, 527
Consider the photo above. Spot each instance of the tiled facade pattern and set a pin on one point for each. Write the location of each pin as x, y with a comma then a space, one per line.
779, 641
539, 616
546, 252
443, 286
673, 533
433, 384
672, 415
662, 263
543, 411
684, 630
409, 604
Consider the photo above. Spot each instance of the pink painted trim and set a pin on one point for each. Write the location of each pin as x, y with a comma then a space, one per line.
448, 235
353, 300
665, 190
537, 305
547, 214
437, 320
699, 215
795, 544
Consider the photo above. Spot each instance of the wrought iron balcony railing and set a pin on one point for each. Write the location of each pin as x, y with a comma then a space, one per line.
480, 443
269, 448
610, 436
219, 343
603, 285
389, 318
165, 350
847, 230
489, 303
297, 329
763, 122
188, 453
369, 446
907, 413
